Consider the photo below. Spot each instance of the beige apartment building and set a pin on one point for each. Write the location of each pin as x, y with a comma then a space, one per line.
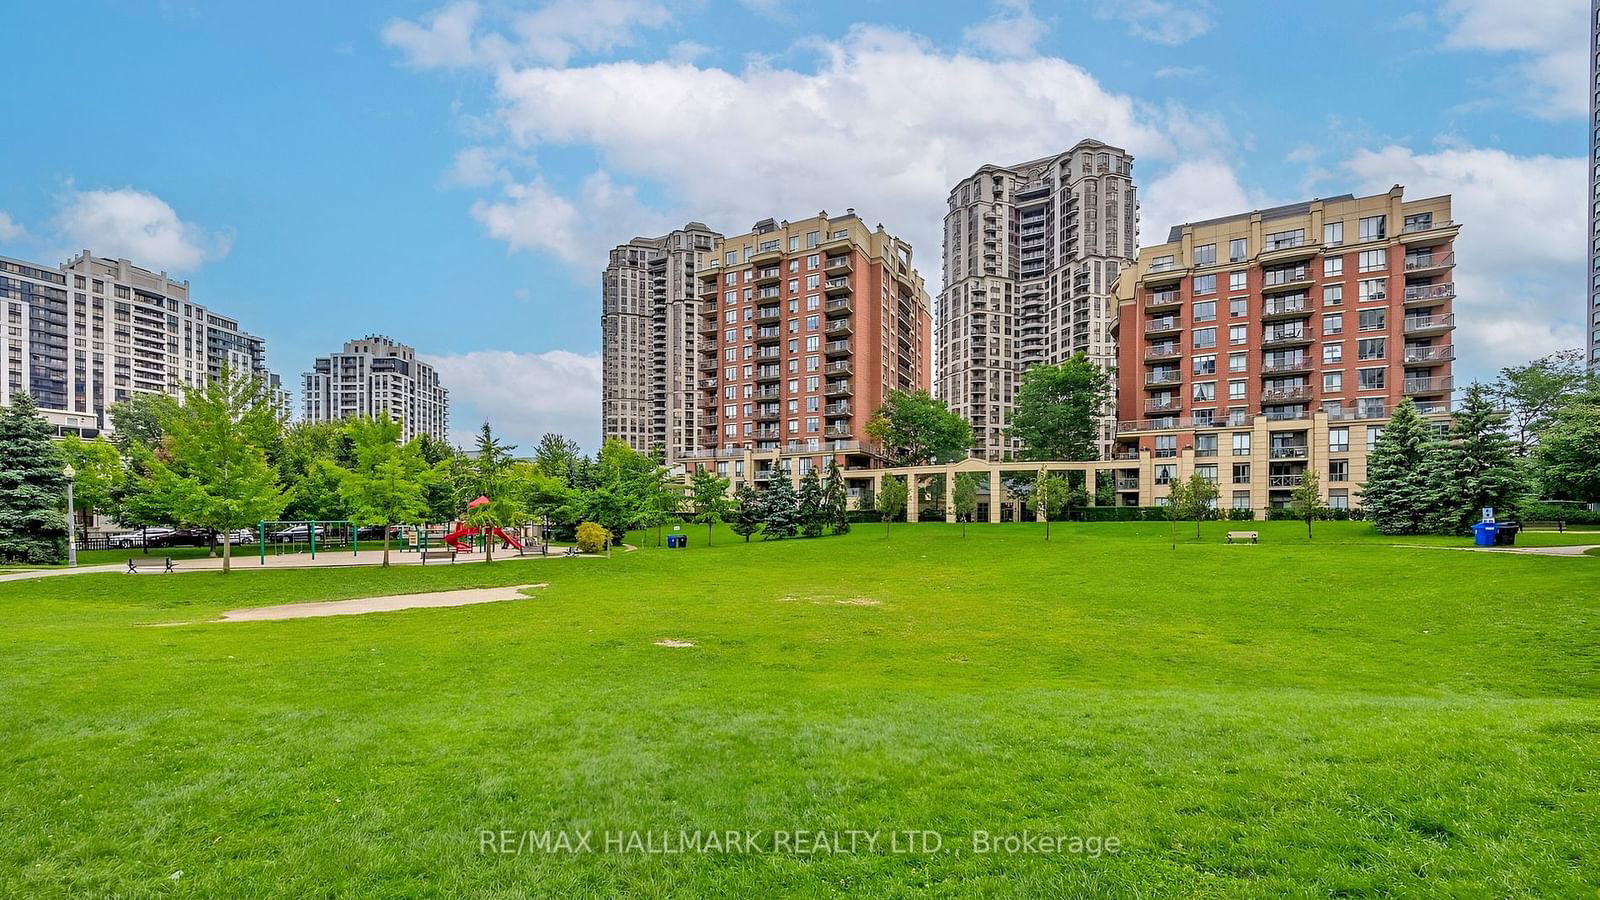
1032, 253
650, 341
94, 331
377, 376
1258, 347
805, 327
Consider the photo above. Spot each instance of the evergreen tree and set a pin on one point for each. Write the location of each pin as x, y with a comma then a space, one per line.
1476, 468
836, 499
748, 515
1396, 496
780, 509
33, 488
491, 470
813, 509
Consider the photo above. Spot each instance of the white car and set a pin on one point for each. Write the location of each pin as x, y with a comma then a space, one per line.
242, 536
129, 540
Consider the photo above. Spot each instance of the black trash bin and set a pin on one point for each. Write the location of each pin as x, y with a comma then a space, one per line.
1506, 535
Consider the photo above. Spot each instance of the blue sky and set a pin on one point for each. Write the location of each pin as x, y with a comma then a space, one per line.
452, 175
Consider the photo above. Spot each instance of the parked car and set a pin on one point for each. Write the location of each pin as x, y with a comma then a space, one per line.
130, 539
296, 534
242, 536
375, 532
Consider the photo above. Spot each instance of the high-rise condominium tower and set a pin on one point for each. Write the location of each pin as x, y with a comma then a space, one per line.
649, 341
94, 331
1591, 312
805, 328
1032, 252
375, 376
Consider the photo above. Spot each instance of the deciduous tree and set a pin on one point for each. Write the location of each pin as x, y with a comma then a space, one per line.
891, 500
1048, 494
965, 498
708, 499
1058, 410
914, 427
1569, 453
385, 486
1306, 500
1532, 394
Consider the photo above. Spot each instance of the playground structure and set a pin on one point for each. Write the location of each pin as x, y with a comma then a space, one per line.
457, 539
288, 536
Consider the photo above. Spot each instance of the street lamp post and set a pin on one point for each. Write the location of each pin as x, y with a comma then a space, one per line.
72, 520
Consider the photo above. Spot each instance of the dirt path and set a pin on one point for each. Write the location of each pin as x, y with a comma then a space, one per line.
378, 604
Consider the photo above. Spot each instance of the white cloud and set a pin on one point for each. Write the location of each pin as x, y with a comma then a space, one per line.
523, 395
829, 137
137, 225
1012, 31
478, 167
687, 51
1189, 192
1550, 35
1521, 253
1180, 71
532, 216
10, 229
1169, 22
450, 36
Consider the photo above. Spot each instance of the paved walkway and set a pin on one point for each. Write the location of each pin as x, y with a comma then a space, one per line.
362, 605
1573, 550
334, 559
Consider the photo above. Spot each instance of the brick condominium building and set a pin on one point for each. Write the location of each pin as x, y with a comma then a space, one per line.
1257, 347
804, 329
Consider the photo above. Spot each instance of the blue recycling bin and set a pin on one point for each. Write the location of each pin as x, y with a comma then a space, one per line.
1483, 533
672, 541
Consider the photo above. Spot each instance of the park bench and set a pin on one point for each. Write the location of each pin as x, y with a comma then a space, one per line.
572, 551
149, 562
1239, 537
1557, 524
438, 554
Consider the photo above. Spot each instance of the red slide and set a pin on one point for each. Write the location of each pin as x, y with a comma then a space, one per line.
454, 538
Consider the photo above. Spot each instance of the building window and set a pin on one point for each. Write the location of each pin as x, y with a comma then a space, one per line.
1333, 265
1205, 311
1333, 233
1241, 443
1372, 290
1205, 391
1235, 390
1165, 472
1237, 281
1333, 323
1372, 261
1205, 255
1238, 307
1284, 239
1205, 284
1372, 228
1372, 319
1205, 337
1338, 499
1332, 353
1205, 364
1338, 440
1332, 295
1241, 473
1332, 382
1238, 362
1241, 499
1238, 249
1238, 334
1371, 379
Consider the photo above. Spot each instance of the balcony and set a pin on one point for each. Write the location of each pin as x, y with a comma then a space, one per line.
841, 408
837, 348
839, 367
1429, 294
1287, 414
708, 363
1286, 308
1427, 232
768, 353
767, 413
1159, 406
837, 389
770, 393
1443, 353
1163, 378
769, 275
1286, 394
1429, 324
836, 265
769, 333
1287, 280
839, 306
1284, 481
1287, 451
708, 325
834, 287
766, 294
838, 326
708, 383
837, 431
767, 434
1422, 386
769, 373
1161, 300
1289, 250
1286, 337
708, 287
1169, 325
1127, 484
1286, 366
1417, 263
768, 315
1162, 352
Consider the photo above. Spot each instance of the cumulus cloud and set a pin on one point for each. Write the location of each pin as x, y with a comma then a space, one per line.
10, 230
1169, 22
1189, 192
533, 216
1012, 31
1521, 253
458, 35
137, 225
523, 395
1550, 37
828, 137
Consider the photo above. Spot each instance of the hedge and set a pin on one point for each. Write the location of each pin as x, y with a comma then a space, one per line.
1573, 514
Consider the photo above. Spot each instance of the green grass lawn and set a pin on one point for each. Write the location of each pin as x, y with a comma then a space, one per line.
1304, 719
